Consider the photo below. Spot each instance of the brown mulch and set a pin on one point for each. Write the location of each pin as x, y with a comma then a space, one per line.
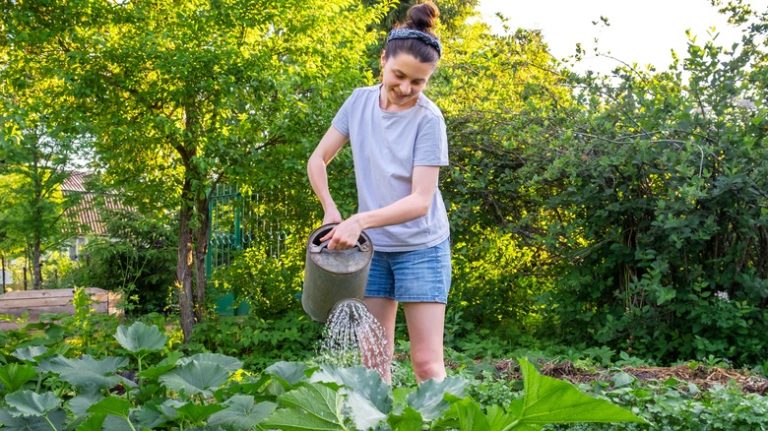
701, 376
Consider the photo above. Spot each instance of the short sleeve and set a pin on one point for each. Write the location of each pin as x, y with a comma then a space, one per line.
341, 120
431, 147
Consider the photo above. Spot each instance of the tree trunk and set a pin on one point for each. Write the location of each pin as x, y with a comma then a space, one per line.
201, 233
37, 273
184, 265
3, 259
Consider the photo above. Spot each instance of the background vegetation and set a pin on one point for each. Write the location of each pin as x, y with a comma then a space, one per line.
627, 211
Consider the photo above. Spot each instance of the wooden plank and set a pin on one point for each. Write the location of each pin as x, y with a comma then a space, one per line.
37, 302
23, 294
33, 302
40, 310
32, 294
113, 302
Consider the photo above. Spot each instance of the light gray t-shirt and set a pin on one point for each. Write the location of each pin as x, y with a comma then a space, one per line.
385, 148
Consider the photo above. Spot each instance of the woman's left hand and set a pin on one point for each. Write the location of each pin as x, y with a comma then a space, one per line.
345, 234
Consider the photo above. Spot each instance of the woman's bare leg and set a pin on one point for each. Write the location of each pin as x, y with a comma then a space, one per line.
425, 329
385, 311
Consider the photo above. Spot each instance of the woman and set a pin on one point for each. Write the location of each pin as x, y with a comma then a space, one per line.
398, 144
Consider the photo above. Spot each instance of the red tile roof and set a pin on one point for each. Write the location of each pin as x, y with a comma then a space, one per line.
85, 213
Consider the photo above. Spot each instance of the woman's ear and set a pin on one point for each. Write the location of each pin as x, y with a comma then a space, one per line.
383, 59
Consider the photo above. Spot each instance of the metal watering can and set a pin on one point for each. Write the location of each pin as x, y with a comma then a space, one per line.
332, 276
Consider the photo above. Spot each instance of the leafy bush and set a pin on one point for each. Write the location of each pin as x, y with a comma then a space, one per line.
662, 186
260, 342
138, 258
270, 284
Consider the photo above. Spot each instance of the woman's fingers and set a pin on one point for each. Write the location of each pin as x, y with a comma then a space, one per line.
343, 236
328, 236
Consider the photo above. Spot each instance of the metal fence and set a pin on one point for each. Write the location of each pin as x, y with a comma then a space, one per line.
240, 220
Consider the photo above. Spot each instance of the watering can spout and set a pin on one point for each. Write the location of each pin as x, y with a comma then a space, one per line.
333, 276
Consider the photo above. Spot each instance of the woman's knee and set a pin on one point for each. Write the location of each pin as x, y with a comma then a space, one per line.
427, 367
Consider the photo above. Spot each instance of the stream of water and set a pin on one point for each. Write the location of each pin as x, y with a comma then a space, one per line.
354, 337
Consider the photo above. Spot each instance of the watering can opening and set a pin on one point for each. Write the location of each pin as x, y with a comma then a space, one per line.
318, 246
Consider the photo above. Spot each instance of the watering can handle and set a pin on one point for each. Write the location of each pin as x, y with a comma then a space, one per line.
324, 246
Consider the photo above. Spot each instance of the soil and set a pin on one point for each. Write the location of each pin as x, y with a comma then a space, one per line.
702, 376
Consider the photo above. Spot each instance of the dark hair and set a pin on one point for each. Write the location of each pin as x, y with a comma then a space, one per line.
421, 17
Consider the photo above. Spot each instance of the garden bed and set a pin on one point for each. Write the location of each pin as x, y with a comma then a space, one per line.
33, 303
702, 376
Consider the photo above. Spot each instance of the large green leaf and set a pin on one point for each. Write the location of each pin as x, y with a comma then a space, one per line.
367, 398
291, 372
195, 413
30, 353
551, 401
148, 416
429, 400
28, 403
116, 413
162, 367
80, 404
363, 381
408, 420
311, 406
498, 419
117, 423
32, 423
60, 364
169, 408
92, 423
195, 378
111, 406
140, 337
242, 413
465, 415
14, 376
251, 385
86, 373
227, 362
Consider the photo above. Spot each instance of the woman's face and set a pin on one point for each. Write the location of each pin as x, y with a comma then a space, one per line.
403, 78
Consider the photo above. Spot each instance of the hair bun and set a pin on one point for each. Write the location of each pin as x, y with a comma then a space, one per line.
422, 17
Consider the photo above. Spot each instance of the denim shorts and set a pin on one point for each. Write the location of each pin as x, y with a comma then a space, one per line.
411, 276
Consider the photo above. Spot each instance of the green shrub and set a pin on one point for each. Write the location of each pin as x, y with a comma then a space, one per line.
270, 284
138, 259
660, 184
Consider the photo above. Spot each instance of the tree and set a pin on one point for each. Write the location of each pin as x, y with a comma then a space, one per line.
181, 96
37, 149
33, 209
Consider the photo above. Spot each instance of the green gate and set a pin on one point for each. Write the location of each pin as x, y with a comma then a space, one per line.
239, 220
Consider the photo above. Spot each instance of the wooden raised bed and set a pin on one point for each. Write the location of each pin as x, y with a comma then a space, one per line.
37, 302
